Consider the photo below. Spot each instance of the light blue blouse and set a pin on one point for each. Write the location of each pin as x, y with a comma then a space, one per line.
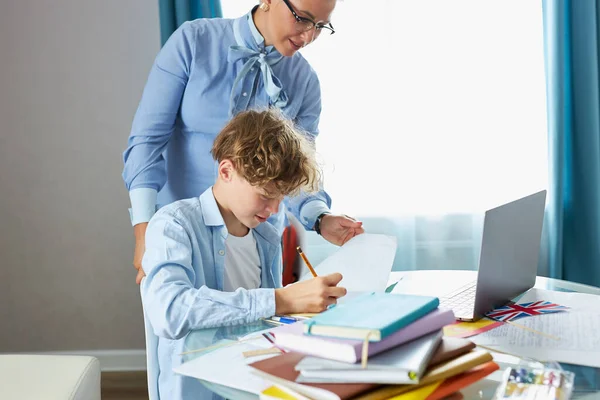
207, 71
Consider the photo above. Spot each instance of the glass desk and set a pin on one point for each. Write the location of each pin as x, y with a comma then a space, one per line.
587, 379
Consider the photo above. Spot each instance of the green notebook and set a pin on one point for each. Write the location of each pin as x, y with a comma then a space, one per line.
376, 314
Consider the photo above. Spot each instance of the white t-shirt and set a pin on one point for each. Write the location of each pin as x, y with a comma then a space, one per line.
242, 264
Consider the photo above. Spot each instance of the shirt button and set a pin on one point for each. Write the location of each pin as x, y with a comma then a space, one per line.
244, 94
221, 252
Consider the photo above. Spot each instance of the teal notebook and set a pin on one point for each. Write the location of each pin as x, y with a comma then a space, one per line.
375, 314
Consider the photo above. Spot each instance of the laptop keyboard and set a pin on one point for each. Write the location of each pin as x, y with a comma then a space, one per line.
461, 301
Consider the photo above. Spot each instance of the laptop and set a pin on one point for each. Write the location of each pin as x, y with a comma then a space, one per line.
508, 262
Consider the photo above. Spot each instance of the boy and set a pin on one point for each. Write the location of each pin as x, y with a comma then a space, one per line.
212, 261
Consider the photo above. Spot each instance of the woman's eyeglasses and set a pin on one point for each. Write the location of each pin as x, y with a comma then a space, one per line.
305, 24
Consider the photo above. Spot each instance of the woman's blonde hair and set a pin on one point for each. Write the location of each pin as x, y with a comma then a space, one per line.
269, 152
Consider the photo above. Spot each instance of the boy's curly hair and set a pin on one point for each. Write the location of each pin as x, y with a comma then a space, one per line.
269, 152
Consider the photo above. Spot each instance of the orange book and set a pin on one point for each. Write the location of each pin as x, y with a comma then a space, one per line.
435, 375
442, 389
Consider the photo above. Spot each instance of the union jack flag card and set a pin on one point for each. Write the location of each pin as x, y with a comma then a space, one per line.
512, 311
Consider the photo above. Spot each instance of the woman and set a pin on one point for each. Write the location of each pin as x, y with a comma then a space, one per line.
208, 71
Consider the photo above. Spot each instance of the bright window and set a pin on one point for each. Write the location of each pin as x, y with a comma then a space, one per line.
430, 106
433, 111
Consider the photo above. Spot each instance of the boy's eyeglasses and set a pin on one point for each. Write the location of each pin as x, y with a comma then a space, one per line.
305, 24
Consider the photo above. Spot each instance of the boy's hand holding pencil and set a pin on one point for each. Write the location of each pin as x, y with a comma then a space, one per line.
311, 296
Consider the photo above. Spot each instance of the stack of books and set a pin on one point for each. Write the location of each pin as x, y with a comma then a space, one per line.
376, 346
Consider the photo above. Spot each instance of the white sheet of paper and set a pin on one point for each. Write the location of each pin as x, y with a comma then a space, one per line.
365, 262
579, 342
227, 366
576, 301
257, 339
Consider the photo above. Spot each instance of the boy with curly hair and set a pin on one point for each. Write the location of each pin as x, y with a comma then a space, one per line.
212, 261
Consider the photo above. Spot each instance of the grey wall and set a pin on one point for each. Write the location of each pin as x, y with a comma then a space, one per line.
71, 75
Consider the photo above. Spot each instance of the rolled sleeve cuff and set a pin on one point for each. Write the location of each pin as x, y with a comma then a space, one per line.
264, 303
310, 211
143, 205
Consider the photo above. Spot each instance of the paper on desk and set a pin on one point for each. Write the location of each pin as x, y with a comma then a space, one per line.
579, 342
261, 342
227, 366
576, 301
365, 262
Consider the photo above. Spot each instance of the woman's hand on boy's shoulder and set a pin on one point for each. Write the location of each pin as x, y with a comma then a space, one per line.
310, 296
338, 229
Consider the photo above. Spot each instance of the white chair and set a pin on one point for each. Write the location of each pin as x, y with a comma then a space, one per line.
49, 377
151, 355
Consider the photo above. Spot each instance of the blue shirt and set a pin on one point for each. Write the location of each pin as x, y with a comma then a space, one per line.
184, 264
199, 79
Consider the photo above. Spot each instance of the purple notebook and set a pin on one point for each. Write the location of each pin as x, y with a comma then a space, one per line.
291, 337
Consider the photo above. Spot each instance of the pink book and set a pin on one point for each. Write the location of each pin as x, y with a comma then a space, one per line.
291, 337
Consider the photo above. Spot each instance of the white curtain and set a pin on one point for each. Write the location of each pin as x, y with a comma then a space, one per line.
433, 112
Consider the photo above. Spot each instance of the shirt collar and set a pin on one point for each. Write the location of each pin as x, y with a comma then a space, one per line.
212, 217
210, 210
251, 35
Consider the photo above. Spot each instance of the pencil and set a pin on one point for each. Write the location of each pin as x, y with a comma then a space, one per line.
310, 267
